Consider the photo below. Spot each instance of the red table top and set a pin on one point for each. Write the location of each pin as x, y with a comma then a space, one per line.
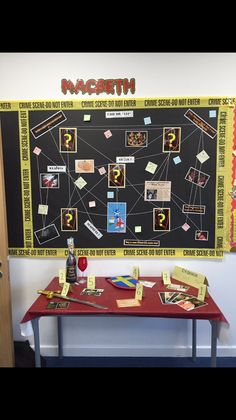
151, 305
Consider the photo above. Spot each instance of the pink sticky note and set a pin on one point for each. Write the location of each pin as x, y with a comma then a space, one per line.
107, 134
37, 150
102, 171
185, 227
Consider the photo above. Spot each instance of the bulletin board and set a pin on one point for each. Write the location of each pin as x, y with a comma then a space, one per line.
149, 177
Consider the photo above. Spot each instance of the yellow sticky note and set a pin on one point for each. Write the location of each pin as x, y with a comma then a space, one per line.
135, 272
202, 292
62, 275
87, 117
139, 291
166, 277
91, 282
65, 289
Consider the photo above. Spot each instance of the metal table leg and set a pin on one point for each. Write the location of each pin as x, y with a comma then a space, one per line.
35, 325
59, 334
194, 340
213, 343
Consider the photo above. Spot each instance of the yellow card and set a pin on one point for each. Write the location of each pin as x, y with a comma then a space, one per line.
234, 232
65, 289
125, 303
91, 282
202, 292
135, 273
166, 277
139, 291
62, 275
189, 277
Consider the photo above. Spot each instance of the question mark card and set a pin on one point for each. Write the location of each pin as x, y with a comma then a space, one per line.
139, 291
161, 219
62, 275
42, 209
69, 219
91, 282
171, 139
166, 277
116, 175
151, 167
68, 140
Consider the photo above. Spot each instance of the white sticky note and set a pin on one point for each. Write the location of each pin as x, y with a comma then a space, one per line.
42, 209
92, 204
151, 167
110, 194
37, 150
80, 182
87, 117
177, 160
102, 171
212, 113
147, 120
202, 156
185, 227
107, 134
138, 229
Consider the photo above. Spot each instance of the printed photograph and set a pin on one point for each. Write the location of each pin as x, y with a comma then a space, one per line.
197, 177
116, 217
46, 234
49, 180
136, 138
201, 235
84, 166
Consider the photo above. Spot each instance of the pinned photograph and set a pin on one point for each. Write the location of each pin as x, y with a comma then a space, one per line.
84, 166
69, 219
171, 139
201, 235
196, 177
116, 217
116, 175
68, 140
161, 219
136, 138
46, 234
49, 180
157, 191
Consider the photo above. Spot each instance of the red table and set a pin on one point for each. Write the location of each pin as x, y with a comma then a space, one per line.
151, 306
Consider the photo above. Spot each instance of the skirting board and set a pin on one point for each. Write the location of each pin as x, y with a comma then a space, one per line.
131, 351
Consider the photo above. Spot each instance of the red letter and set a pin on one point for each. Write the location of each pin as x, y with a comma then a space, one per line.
89, 89
129, 85
109, 86
67, 85
80, 86
100, 86
118, 83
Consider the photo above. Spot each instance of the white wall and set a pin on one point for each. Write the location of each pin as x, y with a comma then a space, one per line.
38, 76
